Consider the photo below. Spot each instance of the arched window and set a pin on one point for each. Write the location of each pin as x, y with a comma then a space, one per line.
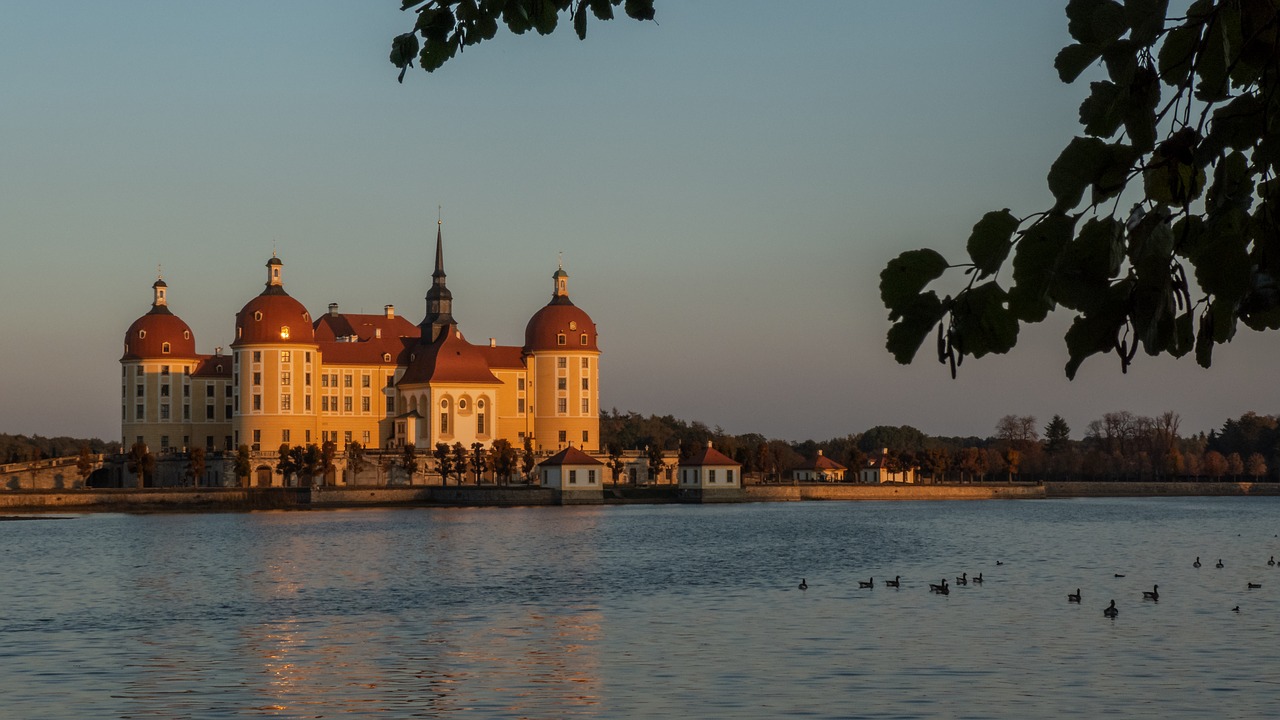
386, 357
142, 334
560, 339
164, 348
186, 334
257, 315
584, 338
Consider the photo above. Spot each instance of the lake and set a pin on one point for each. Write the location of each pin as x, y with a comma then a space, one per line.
646, 612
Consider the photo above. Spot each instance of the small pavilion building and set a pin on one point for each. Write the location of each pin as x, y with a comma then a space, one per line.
820, 469
576, 475
710, 476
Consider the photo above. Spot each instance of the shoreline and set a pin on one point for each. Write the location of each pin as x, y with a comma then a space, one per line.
246, 499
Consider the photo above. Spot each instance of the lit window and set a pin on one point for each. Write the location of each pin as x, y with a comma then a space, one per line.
285, 356
284, 332
286, 378
286, 402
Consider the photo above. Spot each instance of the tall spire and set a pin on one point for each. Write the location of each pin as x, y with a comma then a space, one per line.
439, 317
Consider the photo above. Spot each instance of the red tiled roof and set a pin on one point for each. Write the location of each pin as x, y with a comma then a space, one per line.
214, 366
503, 356
450, 359
710, 456
553, 320
571, 456
330, 327
821, 462
146, 337
263, 318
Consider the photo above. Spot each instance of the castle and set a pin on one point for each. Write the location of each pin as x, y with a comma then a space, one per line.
373, 379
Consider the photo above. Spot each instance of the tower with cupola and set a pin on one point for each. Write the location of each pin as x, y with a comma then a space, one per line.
563, 359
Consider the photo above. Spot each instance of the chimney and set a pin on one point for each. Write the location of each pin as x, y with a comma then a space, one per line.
333, 309
493, 342
377, 333
218, 351
709, 446
389, 311
819, 453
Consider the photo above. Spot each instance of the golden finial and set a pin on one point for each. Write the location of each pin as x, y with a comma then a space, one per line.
439, 214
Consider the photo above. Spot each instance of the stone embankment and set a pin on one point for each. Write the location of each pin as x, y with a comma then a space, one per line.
892, 491
1157, 489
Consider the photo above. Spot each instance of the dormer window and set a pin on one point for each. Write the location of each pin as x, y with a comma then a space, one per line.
165, 348
584, 338
386, 357
257, 315
560, 340
284, 332
142, 334
186, 334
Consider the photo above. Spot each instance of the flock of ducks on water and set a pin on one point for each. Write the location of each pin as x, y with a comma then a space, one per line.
1110, 611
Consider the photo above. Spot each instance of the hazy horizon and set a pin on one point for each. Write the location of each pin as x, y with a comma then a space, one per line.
725, 184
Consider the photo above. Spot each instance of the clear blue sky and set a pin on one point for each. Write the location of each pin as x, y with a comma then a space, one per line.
725, 185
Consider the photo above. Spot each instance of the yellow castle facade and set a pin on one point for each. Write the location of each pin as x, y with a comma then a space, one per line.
374, 379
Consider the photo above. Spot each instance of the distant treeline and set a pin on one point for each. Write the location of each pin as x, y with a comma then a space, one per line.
1117, 446
21, 448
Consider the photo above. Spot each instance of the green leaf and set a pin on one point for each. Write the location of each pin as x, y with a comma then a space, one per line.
906, 275
1113, 177
1177, 54
639, 9
1088, 264
1146, 18
982, 323
990, 241
1034, 266
1075, 169
580, 22
1095, 22
1096, 331
1103, 111
917, 318
1073, 60
1140, 111
1184, 338
603, 9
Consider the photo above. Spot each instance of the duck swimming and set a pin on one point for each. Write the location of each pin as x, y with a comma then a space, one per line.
1111, 611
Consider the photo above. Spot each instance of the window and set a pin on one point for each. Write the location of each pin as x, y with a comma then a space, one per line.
164, 370
324, 403
562, 383
186, 412
563, 435
284, 435
257, 440
228, 412
208, 391
585, 434
257, 315
520, 384
480, 424
164, 390
520, 406
164, 348
586, 363
286, 378
257, 403
164, 411
346, 437
391, 404
186, 391
324, 380
308, 436
583, 339
591, 477
257, 378
711, 475
306, 379
308, 356
139, 390
227, 390
286, 402
142, 334
139, 412
286, 356
560, 339
364, 381
444, 423
366, 437
164, 442
306, 403
562, 405
728, 476
346, 404
364, 404
346, 380
462, 404
586, 384
562, 362
573, 474
257, 356
586, 406
208, 412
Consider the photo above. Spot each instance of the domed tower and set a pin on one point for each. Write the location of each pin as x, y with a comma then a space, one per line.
563, 362
276, 362
155, 377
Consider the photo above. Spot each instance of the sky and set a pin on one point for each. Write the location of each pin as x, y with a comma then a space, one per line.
725, 186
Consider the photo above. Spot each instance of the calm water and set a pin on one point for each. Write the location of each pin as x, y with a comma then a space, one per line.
645, 611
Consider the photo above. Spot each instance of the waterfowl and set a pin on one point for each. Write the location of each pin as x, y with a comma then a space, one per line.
803, 585
998, 562
1235, 609
1197, 562
1111, 611
963, 579
1254, 586
976, 579
946, 590
1074, 597
940, 589
1219, 565
870, 583
1119, 575
1153, 595
895, 582
1272, 561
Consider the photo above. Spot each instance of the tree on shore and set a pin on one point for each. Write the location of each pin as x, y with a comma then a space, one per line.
1257, 466
356, 461
142, 463
409, 460
84, 464
444, 461
243, 466
1215, 465
460, 459
528, 461
479, 460
195, 465
504, 460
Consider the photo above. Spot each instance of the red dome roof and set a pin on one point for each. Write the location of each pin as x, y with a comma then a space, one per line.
560, 318
273, 317
149, 334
